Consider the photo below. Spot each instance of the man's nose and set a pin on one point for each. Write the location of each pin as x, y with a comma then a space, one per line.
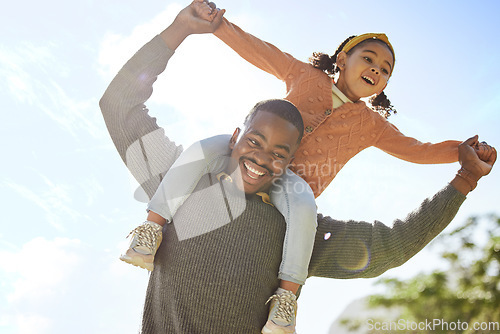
263, 158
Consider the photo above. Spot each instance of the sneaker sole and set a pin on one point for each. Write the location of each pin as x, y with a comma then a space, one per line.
138, 260
267, 330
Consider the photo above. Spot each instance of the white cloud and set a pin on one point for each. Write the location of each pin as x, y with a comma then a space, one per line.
25, 324
32, 324
55, 201
30, 77
71, 114
33, 277
39, 268
91, 188
116, 49
18, 81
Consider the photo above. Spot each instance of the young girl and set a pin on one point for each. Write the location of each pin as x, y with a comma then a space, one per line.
338, 125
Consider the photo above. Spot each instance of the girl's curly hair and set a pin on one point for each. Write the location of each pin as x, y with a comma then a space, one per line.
328, 64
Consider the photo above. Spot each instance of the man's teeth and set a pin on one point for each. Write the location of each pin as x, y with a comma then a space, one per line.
253, 170
370, 80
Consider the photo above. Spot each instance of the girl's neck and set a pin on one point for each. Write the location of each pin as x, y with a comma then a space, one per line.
341, 97
342, 87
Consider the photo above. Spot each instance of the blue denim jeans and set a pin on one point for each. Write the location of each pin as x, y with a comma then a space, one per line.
290, 194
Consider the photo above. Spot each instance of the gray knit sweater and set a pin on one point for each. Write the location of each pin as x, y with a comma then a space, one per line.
195, 280
215, 282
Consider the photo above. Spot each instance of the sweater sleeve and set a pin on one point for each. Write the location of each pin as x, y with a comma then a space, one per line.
393, 142
264, 55
352, 249
141, 143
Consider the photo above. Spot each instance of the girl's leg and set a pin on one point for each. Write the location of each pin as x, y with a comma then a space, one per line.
205, 156
293, 197
156, 218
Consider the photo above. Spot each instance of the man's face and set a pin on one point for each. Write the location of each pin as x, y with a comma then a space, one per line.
263, 151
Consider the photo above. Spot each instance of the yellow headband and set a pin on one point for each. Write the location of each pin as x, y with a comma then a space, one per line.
358, 39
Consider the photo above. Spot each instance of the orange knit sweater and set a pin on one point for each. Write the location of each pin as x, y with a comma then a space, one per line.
332, 136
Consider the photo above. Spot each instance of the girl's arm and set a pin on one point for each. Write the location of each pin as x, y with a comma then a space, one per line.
264, 55
395, 143
361, 250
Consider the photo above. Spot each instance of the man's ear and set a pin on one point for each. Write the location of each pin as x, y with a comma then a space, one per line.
234, 138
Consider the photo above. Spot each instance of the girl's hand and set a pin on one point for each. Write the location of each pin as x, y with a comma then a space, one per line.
485, 151
204, 9
197, 18
200, 17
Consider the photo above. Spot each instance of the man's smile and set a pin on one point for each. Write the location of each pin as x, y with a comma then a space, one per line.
253, 170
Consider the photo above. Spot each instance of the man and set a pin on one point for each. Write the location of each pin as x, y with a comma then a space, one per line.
219, 281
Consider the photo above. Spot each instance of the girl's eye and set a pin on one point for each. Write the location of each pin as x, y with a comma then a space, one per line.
368, 59
385, 71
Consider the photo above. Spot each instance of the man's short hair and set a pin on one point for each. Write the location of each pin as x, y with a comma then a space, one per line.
282, 108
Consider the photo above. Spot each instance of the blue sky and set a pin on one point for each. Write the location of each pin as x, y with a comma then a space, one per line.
67, 197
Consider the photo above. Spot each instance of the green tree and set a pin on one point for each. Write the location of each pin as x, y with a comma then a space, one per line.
466, 295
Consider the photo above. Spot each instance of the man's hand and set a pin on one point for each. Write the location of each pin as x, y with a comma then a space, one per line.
198, 18
477, 160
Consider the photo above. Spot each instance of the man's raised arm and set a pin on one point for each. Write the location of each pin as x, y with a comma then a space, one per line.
141, 143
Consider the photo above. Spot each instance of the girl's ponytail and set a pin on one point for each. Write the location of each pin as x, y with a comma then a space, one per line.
324, 62
382, 105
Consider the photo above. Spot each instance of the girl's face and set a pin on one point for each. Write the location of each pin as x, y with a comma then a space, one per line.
365, 71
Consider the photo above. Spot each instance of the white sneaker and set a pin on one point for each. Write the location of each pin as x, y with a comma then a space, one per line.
282, 313
144, 242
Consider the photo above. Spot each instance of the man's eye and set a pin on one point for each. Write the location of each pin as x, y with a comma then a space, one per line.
252, 141
279, 156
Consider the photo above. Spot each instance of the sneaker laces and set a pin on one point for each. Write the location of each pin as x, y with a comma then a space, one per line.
146, 235
286, 305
